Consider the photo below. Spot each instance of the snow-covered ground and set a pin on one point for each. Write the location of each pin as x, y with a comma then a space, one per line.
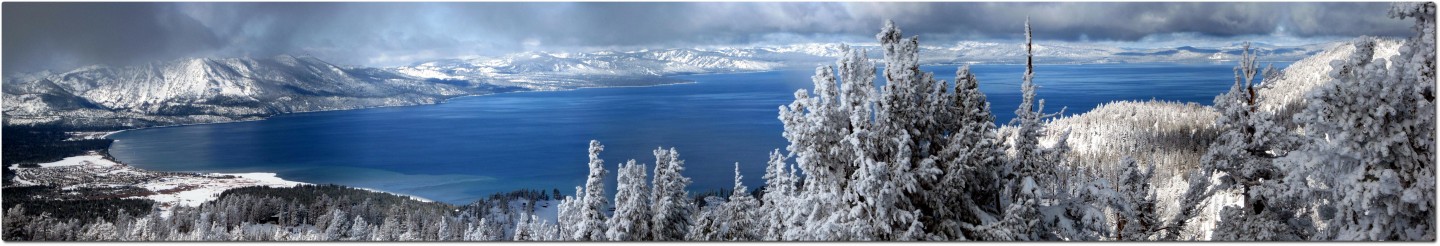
546, 210
192, 191
167, 189
96, 161
416, 198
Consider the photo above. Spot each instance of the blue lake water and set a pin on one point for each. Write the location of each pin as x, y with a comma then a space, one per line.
470, 147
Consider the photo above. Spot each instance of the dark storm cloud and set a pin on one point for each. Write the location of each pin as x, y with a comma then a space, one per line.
47, 35
41, 35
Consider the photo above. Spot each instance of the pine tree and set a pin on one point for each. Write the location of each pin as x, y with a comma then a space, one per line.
777, 199
1244, 156
822, 133
632, 205
672, 206
522, 229
966, 194
443, 233
335, 225
1136, 207
592, 218
900, 149
740, 213
1030, 159
1081, 201
569, 215
1031, 169
708, 222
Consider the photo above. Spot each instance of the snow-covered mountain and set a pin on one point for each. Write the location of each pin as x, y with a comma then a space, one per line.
992, 52
547, 71
1285, 96
213, 90
523, 69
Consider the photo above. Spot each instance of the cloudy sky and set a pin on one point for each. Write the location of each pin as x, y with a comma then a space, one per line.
61, 36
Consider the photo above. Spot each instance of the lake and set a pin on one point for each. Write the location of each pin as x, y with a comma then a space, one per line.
470, 147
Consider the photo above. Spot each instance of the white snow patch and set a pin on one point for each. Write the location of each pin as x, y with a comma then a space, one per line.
21, 182
193, 191
84, 160
416, 198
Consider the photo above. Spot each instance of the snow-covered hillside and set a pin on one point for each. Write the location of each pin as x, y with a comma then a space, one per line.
97, 173
1114, 130
213, 90
1286, 94
521, 68
547, 71
1174, 136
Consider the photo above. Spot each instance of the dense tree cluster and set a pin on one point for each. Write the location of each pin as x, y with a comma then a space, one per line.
45, 143
1370, 141
1358, 163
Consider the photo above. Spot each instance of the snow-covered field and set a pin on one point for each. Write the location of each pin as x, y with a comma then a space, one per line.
167, 189
193, 190
96, 161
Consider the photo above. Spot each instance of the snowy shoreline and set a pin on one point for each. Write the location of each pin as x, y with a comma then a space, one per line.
168, 189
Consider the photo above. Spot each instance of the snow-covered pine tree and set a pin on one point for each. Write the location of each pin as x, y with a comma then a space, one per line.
542, 230
967, 193
1084, 197
443, 232
522, 229
671, 203
707, 222
359, 230
1370, 140
1021, 216
906, 115
818, 129
1135, 208
776, 199
389, 230
335, 225
828, 123
1030, 172
479, 231
882, 181
740, 213
1030, 159
631, 221
1244, 156
569, 215
1197, 192
592, 217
